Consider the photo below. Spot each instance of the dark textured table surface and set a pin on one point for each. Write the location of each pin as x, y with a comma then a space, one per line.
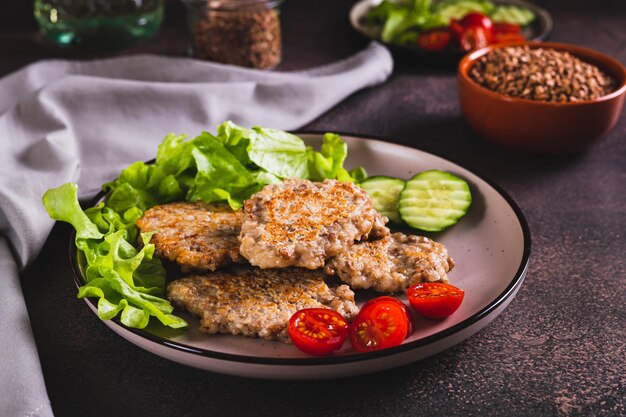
558, 349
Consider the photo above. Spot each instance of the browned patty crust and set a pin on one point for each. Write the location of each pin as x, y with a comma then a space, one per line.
392, 263
255, 302
197, 236
303, 223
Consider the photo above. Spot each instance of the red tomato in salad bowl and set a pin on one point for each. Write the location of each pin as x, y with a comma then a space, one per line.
473, 31
434, 40
507, 32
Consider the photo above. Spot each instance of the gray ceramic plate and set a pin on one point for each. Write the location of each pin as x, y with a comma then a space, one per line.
538, 30
490, 245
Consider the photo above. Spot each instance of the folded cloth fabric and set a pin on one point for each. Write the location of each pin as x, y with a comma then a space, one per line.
66, 121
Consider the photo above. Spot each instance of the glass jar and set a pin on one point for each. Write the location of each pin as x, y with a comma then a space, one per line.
98, 24
246, 33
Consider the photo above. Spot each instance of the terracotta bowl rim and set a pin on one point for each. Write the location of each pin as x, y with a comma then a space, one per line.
579, 51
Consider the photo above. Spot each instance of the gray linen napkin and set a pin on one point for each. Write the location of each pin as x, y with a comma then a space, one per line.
66, 121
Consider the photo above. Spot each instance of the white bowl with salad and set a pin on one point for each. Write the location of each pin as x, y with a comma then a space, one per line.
448, 28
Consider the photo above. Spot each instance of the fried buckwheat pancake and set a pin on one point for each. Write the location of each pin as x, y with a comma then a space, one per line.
392, 263
197, 236
303, 223
255, 302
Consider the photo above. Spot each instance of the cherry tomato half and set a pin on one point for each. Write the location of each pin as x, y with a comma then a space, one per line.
379, 325
434, 40
409, 316
435, 300
318, 331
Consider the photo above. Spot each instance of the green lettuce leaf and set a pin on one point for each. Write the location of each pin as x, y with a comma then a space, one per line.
275, 151
329, 162
358, 174
62, 204
401, 21
219, 174
128, 281
229, 167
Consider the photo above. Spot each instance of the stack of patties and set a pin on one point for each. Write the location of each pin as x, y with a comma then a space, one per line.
279, 253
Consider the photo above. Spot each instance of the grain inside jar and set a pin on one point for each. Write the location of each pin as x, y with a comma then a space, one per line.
246, 33
540, 74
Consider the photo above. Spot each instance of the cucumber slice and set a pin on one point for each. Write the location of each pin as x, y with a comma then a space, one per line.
512, 14
385, 192
434, 200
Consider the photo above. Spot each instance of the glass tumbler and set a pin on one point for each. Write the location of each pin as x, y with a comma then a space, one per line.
246, 33
98, 24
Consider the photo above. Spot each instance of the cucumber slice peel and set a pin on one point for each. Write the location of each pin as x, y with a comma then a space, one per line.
434, 200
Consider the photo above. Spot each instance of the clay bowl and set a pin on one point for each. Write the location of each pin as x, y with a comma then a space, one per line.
536, 126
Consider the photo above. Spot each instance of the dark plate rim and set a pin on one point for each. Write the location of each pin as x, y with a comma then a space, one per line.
542, 14
511, 288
